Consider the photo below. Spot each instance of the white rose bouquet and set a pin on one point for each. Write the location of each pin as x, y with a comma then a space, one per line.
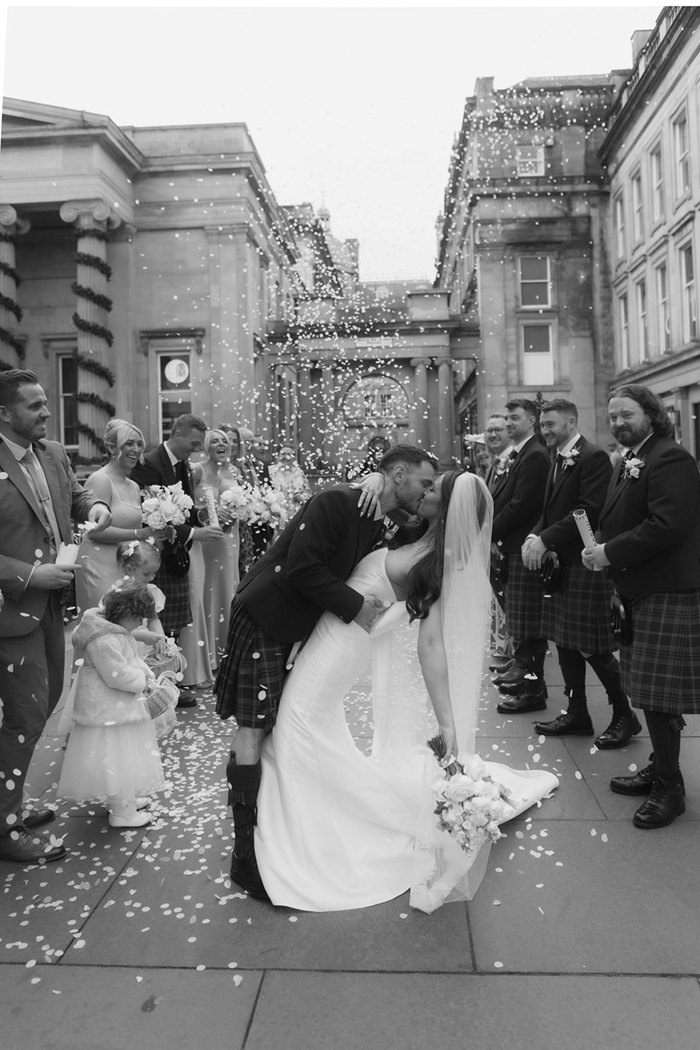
469, 804
165, 505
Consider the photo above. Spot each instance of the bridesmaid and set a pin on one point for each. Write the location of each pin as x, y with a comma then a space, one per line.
221, 575
113, 485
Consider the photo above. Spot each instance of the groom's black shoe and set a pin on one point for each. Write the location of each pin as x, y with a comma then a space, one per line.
245, 873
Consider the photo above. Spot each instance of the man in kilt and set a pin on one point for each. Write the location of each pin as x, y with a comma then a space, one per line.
517, 504
576, 613
498, 445
279, 602
650, 542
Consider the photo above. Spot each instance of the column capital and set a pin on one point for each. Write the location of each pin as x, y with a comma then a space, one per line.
416, 362
9, 217
89, 215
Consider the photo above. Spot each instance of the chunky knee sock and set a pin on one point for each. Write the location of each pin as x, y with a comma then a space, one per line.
573, 668
665, 735
607, 670
243, 787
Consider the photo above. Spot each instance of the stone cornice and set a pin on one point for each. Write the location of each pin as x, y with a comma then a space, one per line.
109, 137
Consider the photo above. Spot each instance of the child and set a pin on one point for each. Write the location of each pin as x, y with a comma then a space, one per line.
112, 753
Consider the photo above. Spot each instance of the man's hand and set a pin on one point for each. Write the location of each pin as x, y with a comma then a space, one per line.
371, 607
532, 552
371, 489
51, 577
101, 515
595, 558
207, 532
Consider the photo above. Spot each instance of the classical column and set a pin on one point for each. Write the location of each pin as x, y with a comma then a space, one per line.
11, 226
326, 411
92, 220
445, 442
305, 411
419, 421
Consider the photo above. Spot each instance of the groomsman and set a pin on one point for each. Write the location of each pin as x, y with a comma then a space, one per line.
650, 544
497, 443
517, 506
576, 616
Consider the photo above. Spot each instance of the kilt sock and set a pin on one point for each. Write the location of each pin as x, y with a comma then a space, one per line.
243, 786
665, 734
530, 653
607, 669
573, 668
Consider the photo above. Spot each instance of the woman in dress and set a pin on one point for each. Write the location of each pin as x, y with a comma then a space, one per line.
287, 477
338, 830
221, 576
112, 485
245, 473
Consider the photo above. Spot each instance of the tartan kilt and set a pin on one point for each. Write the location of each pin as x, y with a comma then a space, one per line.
578, 615
251, 674
523, 600
177, 612
660, 670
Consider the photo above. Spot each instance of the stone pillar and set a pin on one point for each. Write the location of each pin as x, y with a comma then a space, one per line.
305, 411
11, 226
419, 414
326, 412
445, 442
92, 220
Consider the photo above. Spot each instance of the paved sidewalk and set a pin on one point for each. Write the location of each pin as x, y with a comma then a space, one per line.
584, 934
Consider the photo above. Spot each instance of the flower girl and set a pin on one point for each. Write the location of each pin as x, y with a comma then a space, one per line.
112, 753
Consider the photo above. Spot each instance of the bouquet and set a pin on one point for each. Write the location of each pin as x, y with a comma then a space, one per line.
252, 505
469, 803
165, 505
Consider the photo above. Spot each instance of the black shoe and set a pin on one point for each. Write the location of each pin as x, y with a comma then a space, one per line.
22, 847
36, 818
501, 664
565, 725
664, 804
245, 873
640, 783
619, 732
511, 682
186, 698
524, 702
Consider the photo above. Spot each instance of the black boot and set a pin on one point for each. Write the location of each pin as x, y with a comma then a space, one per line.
243, 785
640, 783
665, 803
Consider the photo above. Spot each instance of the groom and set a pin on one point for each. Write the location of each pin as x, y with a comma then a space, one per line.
279, 602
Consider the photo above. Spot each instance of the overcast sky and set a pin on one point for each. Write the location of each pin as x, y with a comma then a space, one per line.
350, 107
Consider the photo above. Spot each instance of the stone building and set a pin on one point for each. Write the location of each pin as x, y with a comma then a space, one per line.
652, 155
522, 246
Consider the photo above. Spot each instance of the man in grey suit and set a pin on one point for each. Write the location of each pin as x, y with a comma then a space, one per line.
38, 496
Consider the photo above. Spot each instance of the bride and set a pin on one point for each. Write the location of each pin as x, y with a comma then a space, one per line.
338, 829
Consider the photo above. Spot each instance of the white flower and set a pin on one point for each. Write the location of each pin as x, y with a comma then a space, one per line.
633, 467
165, 505
570, 458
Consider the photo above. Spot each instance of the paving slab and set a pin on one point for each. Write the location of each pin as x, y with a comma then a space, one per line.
593, 897
70, 1008
478, 1012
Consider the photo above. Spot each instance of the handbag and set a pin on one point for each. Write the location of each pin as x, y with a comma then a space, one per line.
552, 573
621, 619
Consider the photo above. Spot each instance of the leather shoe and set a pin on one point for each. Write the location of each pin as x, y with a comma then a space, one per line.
511, 681
641, 782
22, 847
664, 804
619, 731
245, 873
565, 725
36, 818
524, 702
501, 664
186, 698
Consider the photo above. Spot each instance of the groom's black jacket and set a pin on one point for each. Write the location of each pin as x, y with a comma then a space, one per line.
303, 573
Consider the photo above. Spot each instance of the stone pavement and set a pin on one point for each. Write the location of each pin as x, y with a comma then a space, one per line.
584, 934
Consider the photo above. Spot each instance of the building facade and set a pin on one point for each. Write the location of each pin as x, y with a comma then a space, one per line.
652, 156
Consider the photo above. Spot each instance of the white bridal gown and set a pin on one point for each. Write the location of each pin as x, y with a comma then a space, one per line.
339, 830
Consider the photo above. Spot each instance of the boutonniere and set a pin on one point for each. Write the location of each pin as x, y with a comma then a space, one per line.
503, 468
633, 467
570, 458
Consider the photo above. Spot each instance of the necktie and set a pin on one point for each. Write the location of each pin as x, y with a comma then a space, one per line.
41, 491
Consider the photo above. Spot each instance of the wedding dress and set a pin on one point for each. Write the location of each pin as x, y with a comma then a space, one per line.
338, 829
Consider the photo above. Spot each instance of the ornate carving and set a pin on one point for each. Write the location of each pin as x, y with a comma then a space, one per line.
90, 214
9, 217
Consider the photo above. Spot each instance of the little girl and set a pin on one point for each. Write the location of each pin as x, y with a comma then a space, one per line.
112, 752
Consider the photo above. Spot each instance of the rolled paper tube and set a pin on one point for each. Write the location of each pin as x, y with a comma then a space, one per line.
210, 504
67, 554
584, 528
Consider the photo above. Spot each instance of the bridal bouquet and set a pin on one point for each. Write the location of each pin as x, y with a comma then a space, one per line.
165, 505
469, 803
251, 504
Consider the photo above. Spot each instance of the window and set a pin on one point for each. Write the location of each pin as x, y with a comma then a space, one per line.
529, 161
67, 405
663, 328
689, 324
535, 282
375, 400
620, 227
174, 388
681, 154
538, 359
657, 185
624, 333
637, 208
642, 327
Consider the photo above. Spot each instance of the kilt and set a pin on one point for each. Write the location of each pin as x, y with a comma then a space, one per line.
523, 600
578, 615
251, 673
660, 670
177, 612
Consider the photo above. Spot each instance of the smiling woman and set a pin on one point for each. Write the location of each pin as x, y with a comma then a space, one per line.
113, 485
